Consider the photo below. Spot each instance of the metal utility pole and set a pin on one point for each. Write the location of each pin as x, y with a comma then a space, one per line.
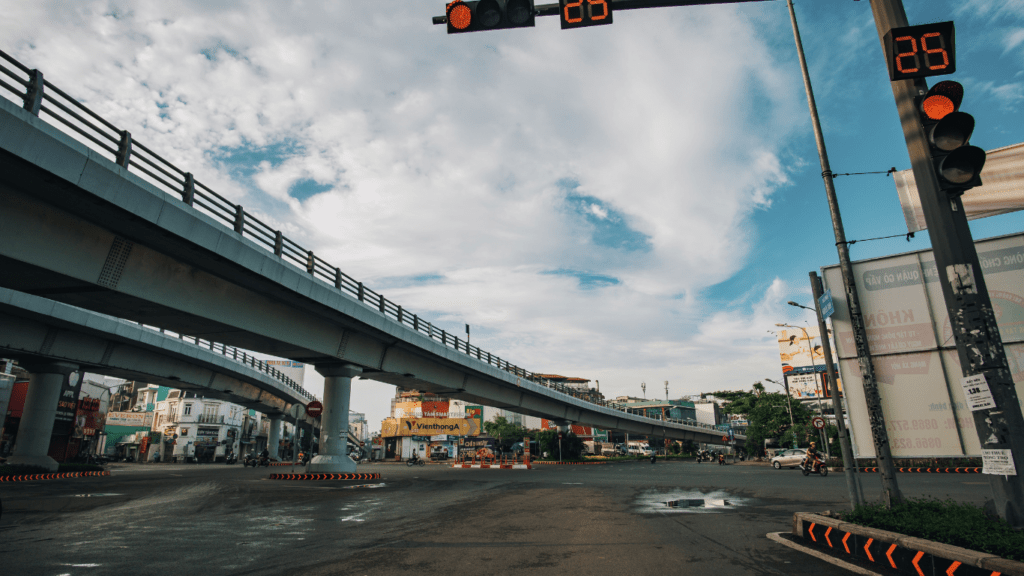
978, 342
666, 390
849, 464
883, 455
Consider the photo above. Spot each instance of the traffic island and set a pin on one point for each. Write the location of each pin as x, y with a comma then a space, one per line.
894, 553
327, 476
51, 476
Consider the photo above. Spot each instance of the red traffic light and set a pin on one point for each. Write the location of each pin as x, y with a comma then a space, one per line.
459, 15
478, 15
942, 100
957, 164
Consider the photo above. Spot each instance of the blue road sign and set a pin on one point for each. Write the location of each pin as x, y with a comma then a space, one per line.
825, 304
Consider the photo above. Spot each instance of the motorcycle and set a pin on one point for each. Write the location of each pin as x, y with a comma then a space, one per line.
231, 458
654, 458
808, 468
721, 459
261, 460
249, 460
415, 462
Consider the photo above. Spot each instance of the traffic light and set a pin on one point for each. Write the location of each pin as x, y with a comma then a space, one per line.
480, 15
957, 164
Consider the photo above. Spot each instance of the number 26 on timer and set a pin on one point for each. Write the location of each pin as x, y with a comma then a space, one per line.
580, 13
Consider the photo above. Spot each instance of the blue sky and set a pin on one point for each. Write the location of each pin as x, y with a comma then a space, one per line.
629, 203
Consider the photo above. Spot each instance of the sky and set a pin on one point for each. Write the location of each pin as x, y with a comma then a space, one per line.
626, 203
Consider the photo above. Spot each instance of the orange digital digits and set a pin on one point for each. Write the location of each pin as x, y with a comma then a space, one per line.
945, 55
604, 9
902, 55
920, 51
577, 4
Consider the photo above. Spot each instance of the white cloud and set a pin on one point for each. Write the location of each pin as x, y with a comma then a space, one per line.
442, 155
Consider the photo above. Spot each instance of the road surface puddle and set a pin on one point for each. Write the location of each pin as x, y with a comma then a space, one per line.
96, 495
689, 501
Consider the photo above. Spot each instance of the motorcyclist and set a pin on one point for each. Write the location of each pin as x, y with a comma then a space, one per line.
415, 457
813, 456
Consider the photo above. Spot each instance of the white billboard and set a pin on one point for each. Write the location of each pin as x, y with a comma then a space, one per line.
911, 343
1001, 190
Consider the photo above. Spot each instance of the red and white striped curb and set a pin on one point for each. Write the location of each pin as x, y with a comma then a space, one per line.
52, 476
569, 463
502, 466
372, 476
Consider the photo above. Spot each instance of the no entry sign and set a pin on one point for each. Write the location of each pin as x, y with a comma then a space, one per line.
314, 408
818, 422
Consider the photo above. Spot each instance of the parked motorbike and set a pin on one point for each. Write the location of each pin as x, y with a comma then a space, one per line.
808, 468
654, 458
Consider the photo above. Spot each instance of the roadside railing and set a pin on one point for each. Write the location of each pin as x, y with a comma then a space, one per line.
240, 356
39, 97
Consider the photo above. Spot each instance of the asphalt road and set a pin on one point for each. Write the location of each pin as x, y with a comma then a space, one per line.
607, 519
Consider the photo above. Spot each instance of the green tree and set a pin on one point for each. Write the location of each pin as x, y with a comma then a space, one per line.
769, 418
572, 446
507, 433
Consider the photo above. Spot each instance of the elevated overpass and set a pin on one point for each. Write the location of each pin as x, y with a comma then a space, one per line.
49, 337
92, 218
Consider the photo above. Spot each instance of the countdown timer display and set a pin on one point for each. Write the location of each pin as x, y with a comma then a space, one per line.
919, 51
581, 13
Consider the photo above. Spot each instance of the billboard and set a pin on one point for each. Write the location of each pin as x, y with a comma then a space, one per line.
911, 344
391, 427
294, 370
798, 349
137, 419
1002, 188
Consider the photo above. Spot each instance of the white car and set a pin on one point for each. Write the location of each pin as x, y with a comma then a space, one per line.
791, 458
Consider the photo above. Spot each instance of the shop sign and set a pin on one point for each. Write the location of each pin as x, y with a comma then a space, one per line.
67, 404
140, 419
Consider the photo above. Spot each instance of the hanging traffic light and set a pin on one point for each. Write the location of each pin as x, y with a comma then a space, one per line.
957, 164
480, 15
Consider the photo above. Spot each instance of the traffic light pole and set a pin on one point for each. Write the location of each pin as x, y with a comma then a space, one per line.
978, 343
883, 455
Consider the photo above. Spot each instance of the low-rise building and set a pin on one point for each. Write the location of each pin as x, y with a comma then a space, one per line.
198, 429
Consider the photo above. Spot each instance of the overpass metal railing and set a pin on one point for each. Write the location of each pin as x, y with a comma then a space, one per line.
39, 96
243, 357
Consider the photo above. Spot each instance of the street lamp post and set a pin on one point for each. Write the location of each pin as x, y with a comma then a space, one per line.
789, 403
643, 386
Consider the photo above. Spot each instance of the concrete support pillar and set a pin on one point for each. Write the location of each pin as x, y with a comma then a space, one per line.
36, 426
333, 454
274, 437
